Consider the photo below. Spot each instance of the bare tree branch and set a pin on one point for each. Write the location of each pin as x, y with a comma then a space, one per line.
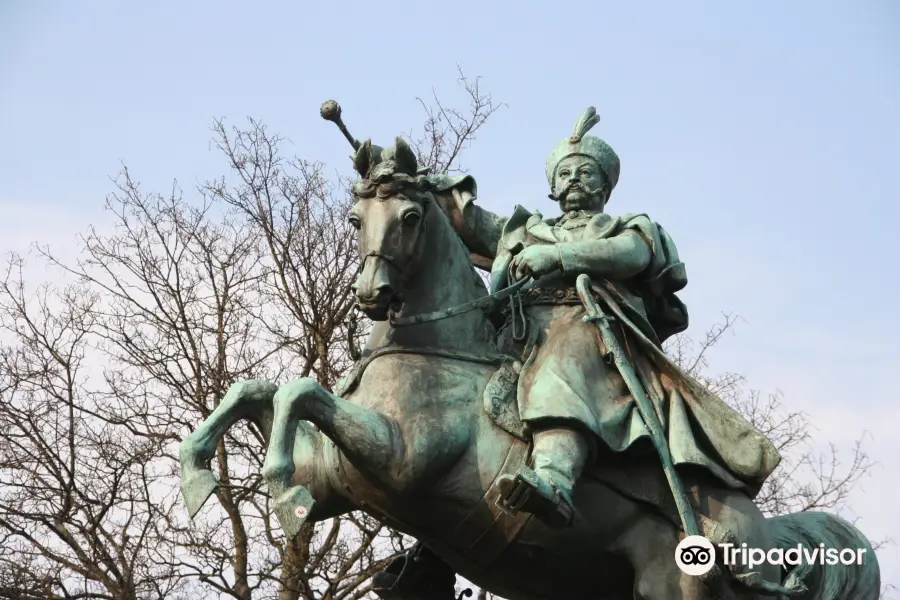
247, 278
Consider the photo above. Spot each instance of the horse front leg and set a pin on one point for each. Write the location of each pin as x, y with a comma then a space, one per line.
370, 440
250, 400
253, 400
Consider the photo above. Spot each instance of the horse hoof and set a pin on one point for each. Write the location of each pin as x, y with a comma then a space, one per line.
196, 489
292, 508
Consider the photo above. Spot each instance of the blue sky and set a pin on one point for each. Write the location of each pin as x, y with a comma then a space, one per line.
764, 136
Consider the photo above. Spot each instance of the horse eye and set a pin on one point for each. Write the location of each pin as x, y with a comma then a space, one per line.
411, 218
354, 222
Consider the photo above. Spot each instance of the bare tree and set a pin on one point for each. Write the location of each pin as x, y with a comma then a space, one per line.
248, 278
78, 505
449, 131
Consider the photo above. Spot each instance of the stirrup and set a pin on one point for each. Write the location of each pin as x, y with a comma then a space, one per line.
526, 491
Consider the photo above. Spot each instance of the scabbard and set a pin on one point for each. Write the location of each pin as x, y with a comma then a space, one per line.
595, 314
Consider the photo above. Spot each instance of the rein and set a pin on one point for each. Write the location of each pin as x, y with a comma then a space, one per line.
484, 302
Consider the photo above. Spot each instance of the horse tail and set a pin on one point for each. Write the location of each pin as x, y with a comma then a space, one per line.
823, 579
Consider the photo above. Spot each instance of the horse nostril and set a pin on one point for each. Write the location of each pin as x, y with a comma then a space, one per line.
370, 296
384, 291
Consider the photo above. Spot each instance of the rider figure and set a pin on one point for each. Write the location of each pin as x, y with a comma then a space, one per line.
569, 397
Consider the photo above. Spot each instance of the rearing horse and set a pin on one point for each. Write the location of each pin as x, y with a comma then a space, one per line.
409, 440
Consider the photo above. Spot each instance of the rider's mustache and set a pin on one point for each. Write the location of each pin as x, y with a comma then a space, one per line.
575, 185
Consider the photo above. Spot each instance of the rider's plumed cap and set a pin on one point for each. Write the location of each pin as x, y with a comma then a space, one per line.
579, 143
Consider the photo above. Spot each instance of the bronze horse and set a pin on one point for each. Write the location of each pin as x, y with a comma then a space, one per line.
408, 440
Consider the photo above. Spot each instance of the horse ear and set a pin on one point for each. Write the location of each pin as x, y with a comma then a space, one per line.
362, 158
405, 158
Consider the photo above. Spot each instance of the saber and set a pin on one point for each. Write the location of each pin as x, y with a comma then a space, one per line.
714, 579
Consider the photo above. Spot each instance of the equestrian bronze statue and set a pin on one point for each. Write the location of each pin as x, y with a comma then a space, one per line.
533, 436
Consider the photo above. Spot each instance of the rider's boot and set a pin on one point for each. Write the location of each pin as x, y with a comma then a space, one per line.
558, 456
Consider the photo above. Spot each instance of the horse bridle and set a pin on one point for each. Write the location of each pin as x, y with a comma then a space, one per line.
416, 253
386, 258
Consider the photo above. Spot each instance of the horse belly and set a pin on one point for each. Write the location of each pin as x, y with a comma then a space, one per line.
582, 562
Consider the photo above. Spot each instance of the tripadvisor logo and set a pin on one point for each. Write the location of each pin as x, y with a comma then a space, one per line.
696, 555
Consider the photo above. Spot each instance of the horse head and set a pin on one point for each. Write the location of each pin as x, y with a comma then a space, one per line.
392, 202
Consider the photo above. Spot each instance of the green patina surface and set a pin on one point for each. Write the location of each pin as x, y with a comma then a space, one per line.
542, 445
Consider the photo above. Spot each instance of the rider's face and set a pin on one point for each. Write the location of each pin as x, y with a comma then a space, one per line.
579, 184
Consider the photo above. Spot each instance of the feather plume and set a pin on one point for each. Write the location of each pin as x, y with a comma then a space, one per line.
588, 119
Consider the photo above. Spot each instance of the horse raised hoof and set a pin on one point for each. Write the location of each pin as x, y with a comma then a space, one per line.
526, 491
196, 488
292, 509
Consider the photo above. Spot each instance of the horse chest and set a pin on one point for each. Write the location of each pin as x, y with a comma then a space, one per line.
409, 387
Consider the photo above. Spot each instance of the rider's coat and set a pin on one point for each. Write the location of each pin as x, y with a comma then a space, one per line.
565, 377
